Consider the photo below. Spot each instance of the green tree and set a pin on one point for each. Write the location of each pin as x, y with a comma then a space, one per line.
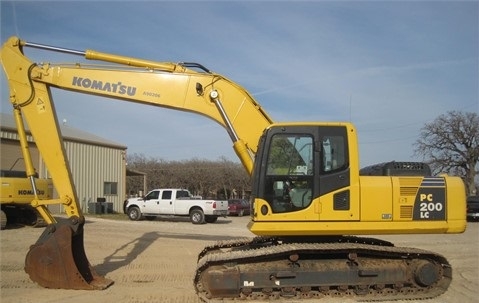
451, 144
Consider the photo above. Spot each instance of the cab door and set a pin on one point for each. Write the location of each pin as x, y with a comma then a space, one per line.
151, 203
337, 198
167, 203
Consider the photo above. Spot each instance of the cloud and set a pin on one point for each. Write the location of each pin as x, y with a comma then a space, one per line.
389, 67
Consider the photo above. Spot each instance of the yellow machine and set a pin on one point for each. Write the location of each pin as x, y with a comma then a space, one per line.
16, 195
308, 198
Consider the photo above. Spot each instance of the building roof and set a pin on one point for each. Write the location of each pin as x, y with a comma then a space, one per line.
69, 133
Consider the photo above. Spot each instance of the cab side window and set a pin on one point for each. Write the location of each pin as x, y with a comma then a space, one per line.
166, 195
152, 195
334, 156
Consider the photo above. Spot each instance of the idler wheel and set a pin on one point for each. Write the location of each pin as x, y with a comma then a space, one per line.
426, 273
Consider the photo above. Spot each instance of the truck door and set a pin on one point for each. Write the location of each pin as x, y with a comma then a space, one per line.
151, 203
182, 202
167, 203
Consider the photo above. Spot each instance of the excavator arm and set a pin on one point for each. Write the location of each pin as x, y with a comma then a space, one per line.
185, 86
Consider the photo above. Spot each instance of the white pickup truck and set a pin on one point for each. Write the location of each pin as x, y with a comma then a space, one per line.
175, 202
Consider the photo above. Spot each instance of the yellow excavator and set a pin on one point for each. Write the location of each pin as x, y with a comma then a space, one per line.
15, 197
312, 210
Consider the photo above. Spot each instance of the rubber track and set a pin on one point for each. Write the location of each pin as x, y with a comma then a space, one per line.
265, 249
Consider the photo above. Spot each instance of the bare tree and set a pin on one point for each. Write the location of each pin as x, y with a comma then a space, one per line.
451, 144
220, 179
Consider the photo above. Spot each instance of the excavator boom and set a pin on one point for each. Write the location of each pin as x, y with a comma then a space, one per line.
175, 86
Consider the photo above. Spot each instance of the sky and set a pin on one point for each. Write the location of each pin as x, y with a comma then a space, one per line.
389, 67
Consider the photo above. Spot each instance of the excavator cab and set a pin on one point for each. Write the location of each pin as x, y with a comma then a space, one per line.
296, 164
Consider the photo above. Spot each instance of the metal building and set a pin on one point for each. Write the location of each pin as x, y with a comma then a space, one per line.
98, 165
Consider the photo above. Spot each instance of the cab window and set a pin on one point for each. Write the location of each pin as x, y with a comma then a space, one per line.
334, 156
289, 177
166, 195
152, 195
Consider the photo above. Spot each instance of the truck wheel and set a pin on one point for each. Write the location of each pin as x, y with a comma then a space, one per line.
211, 219
197, 216
134, 213
241, 213
3, 219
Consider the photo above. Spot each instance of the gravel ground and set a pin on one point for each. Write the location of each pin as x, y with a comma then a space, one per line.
154, 261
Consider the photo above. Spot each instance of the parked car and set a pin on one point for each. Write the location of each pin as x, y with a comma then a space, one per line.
473, 208
238, 207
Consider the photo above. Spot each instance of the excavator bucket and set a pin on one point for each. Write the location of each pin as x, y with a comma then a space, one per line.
58, 259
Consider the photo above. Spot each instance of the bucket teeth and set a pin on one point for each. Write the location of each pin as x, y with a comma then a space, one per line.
58, 259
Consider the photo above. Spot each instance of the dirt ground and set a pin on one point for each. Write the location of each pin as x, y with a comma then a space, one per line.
154, 261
